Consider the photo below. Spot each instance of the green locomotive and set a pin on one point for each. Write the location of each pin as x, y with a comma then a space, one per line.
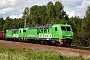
15, 34
59, 34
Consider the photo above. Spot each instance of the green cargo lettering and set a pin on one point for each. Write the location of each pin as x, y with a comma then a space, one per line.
45, 35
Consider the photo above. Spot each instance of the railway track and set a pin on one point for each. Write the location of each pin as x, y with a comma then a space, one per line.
78, 47
66, 51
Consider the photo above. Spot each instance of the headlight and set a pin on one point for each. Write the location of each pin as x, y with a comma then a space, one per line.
61, 42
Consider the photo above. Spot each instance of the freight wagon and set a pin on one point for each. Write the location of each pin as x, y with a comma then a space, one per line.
2, 35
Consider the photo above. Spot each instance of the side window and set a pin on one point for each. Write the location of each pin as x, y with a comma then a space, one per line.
55, 28
12, 32
37, 31
24, 30
20, 31
68, 29
63, 28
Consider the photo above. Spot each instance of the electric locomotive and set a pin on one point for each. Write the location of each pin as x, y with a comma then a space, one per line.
59, 34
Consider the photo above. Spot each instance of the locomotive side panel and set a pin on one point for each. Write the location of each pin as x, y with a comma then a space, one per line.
31, 33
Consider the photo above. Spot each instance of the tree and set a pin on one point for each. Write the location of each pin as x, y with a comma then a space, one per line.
38, 15
88, 13
8, 24
1, 23
85, 32
56, 12
50, 11
17, 23
34, 14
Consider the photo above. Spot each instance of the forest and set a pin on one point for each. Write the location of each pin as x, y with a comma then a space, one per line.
48, 14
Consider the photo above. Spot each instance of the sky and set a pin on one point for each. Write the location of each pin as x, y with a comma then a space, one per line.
15, 8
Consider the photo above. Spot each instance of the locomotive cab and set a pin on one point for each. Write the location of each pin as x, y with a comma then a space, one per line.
63, 34
67, 35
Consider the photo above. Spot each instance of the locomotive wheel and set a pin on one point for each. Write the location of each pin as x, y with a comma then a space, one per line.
56, 43
41, 42
44, 42
19, 39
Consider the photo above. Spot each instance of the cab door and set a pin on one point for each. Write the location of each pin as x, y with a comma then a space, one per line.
24, 33
55, 32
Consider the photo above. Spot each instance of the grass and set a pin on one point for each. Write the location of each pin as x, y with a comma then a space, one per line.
17, 54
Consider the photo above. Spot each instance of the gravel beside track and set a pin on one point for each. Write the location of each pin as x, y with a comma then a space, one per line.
69, 52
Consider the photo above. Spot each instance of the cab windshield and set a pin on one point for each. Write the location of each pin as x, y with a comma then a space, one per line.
65, 28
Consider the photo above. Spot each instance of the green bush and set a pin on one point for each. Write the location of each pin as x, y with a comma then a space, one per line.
17, 54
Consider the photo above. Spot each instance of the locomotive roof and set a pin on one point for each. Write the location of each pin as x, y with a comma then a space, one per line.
12, 29
40, 27
48, 26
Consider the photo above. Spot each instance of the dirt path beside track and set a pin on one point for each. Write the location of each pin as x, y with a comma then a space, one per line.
69, 52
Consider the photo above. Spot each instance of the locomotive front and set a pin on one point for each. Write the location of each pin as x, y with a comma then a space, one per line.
67, 35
